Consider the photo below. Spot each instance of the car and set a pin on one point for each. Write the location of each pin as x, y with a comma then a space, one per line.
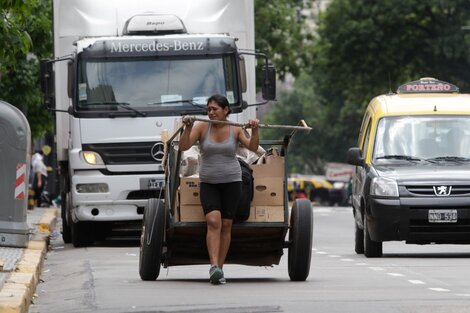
411, 180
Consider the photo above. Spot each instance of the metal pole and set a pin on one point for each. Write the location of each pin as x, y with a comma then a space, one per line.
304, 126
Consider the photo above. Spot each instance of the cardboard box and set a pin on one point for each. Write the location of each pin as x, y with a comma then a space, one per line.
191, 213
268, 191
189, 190
274, 167
266, 214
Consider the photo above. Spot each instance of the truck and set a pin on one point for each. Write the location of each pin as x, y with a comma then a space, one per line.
122, 76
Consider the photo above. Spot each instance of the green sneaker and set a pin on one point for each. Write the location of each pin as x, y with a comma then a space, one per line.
215, 274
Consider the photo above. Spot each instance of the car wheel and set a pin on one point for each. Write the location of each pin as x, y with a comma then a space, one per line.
372, 249
151, 240
359, 240
300, 238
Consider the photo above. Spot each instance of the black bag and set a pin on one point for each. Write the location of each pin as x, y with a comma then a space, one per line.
243, 209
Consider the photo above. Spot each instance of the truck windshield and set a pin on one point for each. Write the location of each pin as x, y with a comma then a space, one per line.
434, 138
153, 84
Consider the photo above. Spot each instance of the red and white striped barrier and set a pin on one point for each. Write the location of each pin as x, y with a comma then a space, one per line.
20, 186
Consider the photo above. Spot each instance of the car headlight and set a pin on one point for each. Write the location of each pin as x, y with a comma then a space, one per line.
383, 187
92, 158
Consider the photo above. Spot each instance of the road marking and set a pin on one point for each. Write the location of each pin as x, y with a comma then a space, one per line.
395, 274
439, 289
417, 282
376, 268
321, 252
362, 264
463, 294
347, 260
334, 256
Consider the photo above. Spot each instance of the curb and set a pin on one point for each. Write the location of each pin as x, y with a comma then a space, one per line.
19, 289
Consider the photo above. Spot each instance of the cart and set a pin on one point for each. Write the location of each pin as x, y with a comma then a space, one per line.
173, 235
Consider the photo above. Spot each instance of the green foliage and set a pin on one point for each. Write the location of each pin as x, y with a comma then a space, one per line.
30, 38
366, 48
281, 34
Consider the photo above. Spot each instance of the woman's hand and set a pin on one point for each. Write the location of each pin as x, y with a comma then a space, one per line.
254, 123
188, 121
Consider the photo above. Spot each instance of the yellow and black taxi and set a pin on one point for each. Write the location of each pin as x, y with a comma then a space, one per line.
412, 168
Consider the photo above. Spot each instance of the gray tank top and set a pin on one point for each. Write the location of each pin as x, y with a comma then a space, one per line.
219, 163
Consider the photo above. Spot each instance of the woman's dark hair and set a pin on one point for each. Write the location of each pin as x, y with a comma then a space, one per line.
220, 100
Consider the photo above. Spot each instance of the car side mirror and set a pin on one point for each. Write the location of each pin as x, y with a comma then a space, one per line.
354, 156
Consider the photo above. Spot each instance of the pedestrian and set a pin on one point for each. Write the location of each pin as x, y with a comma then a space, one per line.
40, 177
220, 175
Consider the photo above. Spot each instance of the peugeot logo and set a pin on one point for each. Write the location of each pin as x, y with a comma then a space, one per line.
157, 151
442, 190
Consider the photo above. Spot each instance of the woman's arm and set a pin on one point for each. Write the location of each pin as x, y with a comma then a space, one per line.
190, 135
251, 143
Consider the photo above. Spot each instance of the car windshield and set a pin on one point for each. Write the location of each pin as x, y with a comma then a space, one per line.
433, 138
150, 84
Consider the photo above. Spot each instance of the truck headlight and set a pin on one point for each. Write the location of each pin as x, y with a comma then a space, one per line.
383, 187
92, 158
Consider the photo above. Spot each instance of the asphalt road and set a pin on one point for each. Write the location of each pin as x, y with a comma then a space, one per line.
409, 278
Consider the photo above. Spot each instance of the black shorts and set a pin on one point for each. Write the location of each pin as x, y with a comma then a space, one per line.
222, 197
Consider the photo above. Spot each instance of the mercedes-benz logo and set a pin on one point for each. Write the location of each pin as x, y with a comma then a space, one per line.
157, 151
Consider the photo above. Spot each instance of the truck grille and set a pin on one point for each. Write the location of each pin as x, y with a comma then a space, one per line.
128, 153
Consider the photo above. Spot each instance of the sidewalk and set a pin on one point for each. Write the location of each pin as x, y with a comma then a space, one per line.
20, 268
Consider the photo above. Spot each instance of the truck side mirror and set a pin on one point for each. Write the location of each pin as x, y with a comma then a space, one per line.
354, 156
269, 83
47, 83
70, 81
243, 73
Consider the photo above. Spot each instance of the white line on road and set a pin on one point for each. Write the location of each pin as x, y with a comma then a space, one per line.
395, 274
417, 282
347, 260
439, 289
376, 268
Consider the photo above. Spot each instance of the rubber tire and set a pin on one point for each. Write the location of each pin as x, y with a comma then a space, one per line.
64, 207
372, 249
81, 232
300, 239
151, 240
359, 239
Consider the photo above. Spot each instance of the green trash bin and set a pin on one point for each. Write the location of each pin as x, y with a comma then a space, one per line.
15, 145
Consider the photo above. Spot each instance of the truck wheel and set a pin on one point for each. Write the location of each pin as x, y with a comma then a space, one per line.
64, 207
81, 232
300, 238
151, 240
372, 249
359, 238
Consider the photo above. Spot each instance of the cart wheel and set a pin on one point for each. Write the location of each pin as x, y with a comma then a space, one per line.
372, 249
359, 240
300, 238
151, 240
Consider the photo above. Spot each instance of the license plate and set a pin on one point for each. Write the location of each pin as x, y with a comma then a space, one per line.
442, 216
151, 184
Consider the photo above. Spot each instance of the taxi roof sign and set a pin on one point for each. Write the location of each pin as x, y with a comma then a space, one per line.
428, 85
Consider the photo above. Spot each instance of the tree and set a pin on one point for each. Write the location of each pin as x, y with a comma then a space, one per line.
366, 48
281, 33
30, 38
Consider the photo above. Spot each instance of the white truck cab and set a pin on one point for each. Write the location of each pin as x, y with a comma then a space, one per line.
123, 75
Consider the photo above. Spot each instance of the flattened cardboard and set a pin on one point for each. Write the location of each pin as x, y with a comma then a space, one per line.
191, 213
266, 214
274, 167
268, 191
189, 190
